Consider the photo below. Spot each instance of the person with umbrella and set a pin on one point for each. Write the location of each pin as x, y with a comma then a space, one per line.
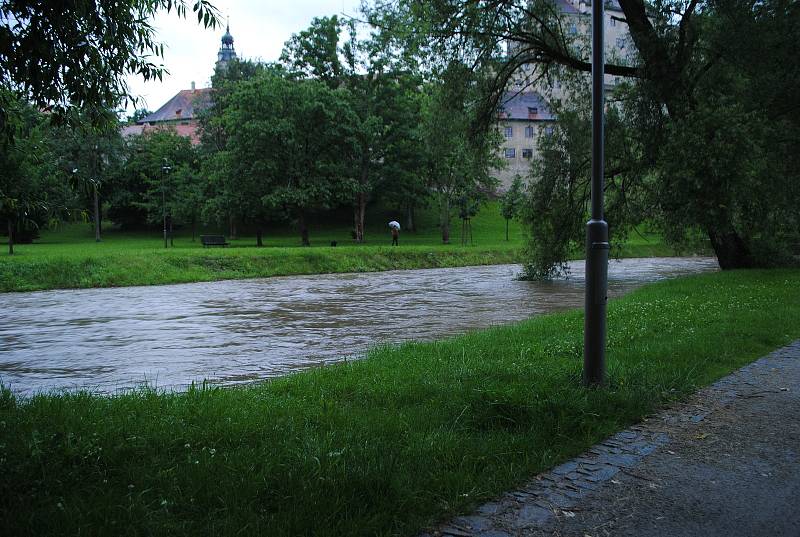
395, 227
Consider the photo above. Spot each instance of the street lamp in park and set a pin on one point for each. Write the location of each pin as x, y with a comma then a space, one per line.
96, 201
594, 332
165, 169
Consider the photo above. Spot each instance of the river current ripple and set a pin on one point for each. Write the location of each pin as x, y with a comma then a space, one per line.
231, 332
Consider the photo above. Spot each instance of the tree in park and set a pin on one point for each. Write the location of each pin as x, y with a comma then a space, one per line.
511, 201
32, 191
88, 156
289, 148
457, 160
383, 97
223, 204
146, 192
697, 141
73, 63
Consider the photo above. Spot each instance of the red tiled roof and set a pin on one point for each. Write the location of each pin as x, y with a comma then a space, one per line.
183, 106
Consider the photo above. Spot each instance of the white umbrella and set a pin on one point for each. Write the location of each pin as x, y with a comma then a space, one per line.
394, 224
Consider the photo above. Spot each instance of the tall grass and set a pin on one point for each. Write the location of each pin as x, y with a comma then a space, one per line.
381, 446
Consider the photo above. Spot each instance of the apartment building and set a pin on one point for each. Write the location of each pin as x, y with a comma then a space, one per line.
524, 116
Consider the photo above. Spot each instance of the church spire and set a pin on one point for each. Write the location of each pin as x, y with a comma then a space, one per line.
226, 51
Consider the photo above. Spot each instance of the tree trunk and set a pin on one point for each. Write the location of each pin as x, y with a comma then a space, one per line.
730, 249
301, 219
362, 214
194, 227
355, 220
10, 237
410, 217
171, 243
96, 215
232, 227
259, 233
444, 221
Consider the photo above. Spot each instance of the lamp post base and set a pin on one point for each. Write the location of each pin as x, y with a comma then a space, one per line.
594, 333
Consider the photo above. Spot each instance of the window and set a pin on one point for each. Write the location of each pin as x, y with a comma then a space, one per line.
509, 132
528, 132
573, 29
533, 110
510, 152
613, 21
527, 153
549, 131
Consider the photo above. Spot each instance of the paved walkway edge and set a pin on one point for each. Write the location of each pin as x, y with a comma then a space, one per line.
557, 493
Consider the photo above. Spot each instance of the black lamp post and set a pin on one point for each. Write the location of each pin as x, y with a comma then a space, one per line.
165, 169
594, 333
95, 180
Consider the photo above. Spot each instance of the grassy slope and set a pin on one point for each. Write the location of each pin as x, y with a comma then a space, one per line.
381, 446
70, 258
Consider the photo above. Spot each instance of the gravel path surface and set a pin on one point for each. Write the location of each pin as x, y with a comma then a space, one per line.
725, 463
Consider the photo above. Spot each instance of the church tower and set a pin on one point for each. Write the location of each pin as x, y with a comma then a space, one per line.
226, 52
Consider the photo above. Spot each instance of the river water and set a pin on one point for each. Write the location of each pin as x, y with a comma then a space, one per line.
237, 331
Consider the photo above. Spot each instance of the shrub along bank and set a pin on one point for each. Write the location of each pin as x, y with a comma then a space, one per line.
380, 446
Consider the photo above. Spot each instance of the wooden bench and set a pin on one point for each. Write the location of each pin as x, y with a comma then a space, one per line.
213, 240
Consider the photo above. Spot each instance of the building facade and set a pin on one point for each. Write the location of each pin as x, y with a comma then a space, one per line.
524, 115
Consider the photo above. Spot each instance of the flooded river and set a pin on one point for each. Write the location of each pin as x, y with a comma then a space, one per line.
237, 331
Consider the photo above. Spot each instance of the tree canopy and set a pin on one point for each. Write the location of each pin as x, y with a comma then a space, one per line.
695, 149
75, 56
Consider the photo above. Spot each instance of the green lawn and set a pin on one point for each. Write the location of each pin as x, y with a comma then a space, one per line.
69, 257
382, 446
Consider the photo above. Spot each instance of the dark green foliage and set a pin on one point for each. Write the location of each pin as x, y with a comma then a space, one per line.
75, 58
384, 101
33, 185
141, 190
705, 141
555, 205
457, 161
288, 150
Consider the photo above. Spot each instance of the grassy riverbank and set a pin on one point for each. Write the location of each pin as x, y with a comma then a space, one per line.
382, 446
69, 257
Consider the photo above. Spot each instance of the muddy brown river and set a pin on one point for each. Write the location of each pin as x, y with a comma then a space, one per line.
238, 331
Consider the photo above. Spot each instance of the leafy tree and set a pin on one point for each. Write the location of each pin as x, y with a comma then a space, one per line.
222, 204
31, 189
77, 59
555, 205
683, 67
73, 64
403, 183
289, 145
330, 51
146, 193
511, 201
456, 163
316, 52
88, 156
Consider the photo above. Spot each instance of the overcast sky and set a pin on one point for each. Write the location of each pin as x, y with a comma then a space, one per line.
259, 29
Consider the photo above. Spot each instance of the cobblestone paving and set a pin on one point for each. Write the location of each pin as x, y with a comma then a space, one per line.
724, 463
